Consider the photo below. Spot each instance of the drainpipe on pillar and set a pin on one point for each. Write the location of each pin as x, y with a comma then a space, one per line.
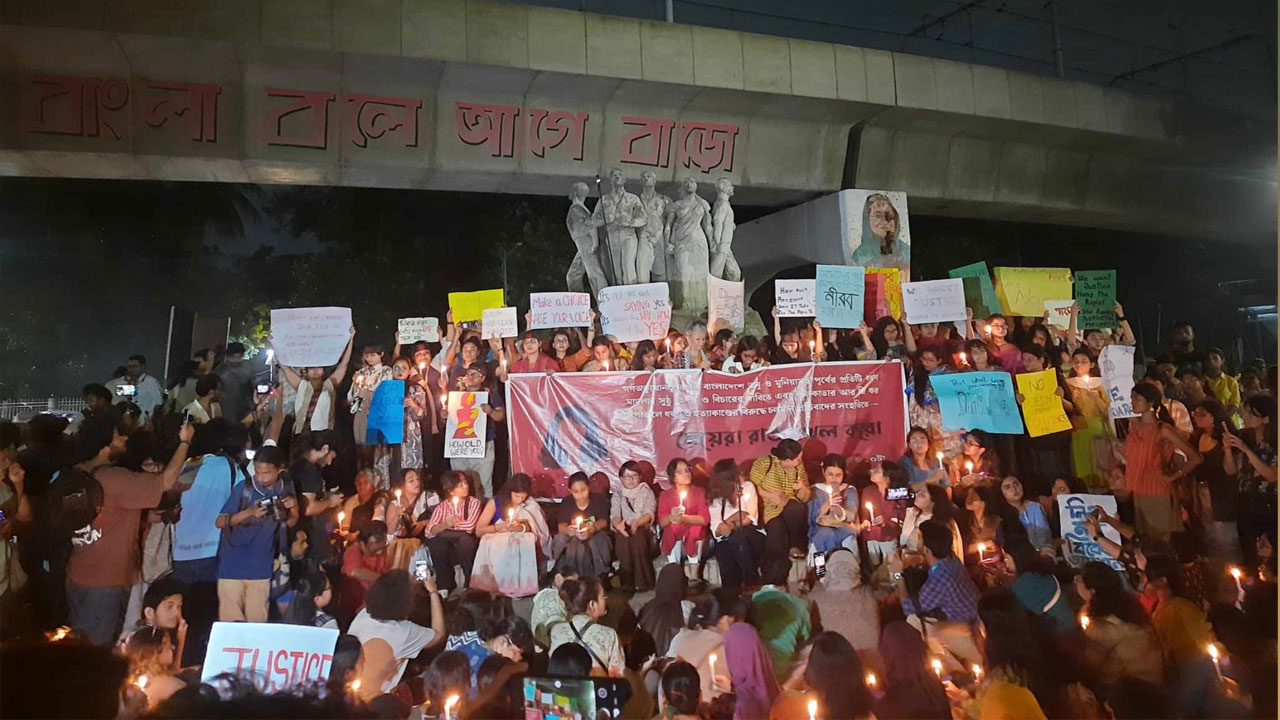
671, 13
1057, 39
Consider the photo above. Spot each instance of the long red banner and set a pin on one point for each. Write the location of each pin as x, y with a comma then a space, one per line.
560, 424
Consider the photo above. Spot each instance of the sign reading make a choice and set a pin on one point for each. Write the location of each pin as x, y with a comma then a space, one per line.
281, 656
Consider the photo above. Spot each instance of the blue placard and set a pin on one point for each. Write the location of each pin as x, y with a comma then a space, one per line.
839, 291
978, 401
386, 414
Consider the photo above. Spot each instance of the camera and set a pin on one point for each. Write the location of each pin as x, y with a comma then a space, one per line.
275, 508
897, 493
126, 390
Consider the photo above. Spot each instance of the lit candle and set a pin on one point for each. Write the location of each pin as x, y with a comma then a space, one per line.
977, 670
813, 710
712, 658
968, 466
456, 500
1084, 621
668, 341
341, 516
422, 366
1214, 655
986, 329
936, 664
511, 516
577, 524
811, 348
448, 706
142, 682
964, 359
1236, 574
871, 511
606, 366
981, 549
398, 491
355, 685
871, 680
683, 494
939, 456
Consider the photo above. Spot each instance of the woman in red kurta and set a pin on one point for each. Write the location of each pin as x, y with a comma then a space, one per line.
683, 513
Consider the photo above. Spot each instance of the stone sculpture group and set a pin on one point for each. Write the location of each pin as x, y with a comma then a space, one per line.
651, 238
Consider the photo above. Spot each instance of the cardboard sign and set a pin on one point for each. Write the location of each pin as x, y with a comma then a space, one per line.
892, 284
1023, 291
310, 337
278, 655
1041, 406
933, 301
470, 306
1096, 293
412, 330
631, 313
386, 414
978, 401
795, 298
1059, 312
1116, 364
840, 290
1081, 547
979, 293
559, 309
498, 323
465, 425
725, 308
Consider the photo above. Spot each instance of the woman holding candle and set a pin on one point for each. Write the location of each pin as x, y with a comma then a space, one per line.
982, 528
675, 352
921, 465
450, 532
683, 514
932, 504
150, 652
1120, 641
645, 358
834, 678
632, 509
513, 536
701, 642
979, 462
911, 690
581, 544
883, 518
783, 485
735, 525
831, 523
1090, 419
602, 357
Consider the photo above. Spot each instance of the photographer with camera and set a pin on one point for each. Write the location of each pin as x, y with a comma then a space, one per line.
254, 519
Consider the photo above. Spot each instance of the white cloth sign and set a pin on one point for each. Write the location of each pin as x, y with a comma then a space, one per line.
498, 323
1059, 312
1081, 548
631, 313
310, 337
795, 298
559, 309
933, 301
725, 308
279, 656
412, 330
466, 425
1116, 363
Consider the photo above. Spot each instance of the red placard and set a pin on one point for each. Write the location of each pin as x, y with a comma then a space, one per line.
593, 422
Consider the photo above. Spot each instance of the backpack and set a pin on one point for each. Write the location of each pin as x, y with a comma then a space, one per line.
74, 500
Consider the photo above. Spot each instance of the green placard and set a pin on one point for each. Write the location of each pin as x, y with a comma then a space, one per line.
979, 293
1096, 295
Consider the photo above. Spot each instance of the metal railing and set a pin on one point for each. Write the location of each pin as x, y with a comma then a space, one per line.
25, 408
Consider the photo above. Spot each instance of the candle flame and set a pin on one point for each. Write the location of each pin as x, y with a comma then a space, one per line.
977, 670
964, 358
937, 667
968, 465
448, 705
355, 685
1213, 651
713, 658
982, 546
142, 682
871, 679
422, 366
398, 492
1235, 573
1084, 621
341, 516
939, 456
813, 709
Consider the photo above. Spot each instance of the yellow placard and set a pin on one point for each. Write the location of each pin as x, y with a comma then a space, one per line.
470, 306
892, 290
1041, 406
1023, 291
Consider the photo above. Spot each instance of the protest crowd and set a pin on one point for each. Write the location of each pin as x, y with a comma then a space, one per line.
1105, 565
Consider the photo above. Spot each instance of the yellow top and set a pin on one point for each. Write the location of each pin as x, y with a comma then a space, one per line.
768, 474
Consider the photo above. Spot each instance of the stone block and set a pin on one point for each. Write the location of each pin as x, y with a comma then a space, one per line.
1066, 178
1021, 173
1091, 106
497, 33
919, 163
1026, 98
813, 68
915, 81
230, 20
881, 87
557, 40
717, 57
613, 46
367, 26
955, 86
990, 91
851, 73
875, 154
766, 64
1059, 102
297, 23
1120, 111
666, 53
972, 167
435, 29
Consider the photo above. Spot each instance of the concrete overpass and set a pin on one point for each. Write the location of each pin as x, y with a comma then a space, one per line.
494, 97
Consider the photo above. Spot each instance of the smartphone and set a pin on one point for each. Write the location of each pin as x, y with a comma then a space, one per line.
820, 564
126, 390
264, 389
248, 454
563, 697
421, 570
897, 493
186, 418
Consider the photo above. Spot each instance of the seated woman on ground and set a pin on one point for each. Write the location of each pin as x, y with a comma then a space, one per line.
513, 541
581, 544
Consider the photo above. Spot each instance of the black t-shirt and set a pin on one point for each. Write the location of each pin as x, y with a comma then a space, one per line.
306, 477
597, 509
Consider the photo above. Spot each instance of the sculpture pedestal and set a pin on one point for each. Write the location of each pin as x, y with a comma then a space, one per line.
682, 318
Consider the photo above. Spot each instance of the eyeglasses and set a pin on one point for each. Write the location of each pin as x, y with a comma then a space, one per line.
630, 475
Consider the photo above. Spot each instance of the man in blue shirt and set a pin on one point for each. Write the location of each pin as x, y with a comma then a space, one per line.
256, 513
948, 588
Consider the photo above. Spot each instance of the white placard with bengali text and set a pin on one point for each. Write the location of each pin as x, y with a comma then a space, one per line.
1059, 312
795, 298
630, 313
277, 655
498, 323
1116, 363
559, 309
1081, 547
311, 336
466, 425
933, 301
725, 307
412, 330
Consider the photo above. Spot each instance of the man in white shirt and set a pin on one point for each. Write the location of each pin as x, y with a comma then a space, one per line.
150, 393
384, 620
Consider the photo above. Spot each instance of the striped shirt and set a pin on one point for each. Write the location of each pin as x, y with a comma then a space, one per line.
768, 474
467, 511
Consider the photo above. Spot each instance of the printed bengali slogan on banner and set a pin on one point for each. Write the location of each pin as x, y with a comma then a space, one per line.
594, 422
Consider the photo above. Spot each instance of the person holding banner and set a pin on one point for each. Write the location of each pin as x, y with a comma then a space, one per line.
831, 521
364, 383
735, 525
415, 407
1046, 455
683, 514
1090, 420
478, 378
783, 485
532, 359
887, 340
451, 530
1150, 470
567, 359
513, 536
316, 396
632, 511
581, 545
1006, 354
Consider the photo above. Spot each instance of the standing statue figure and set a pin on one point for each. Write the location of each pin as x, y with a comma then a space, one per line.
620, 212
723, 264
686, 227
651, 258
585, 236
